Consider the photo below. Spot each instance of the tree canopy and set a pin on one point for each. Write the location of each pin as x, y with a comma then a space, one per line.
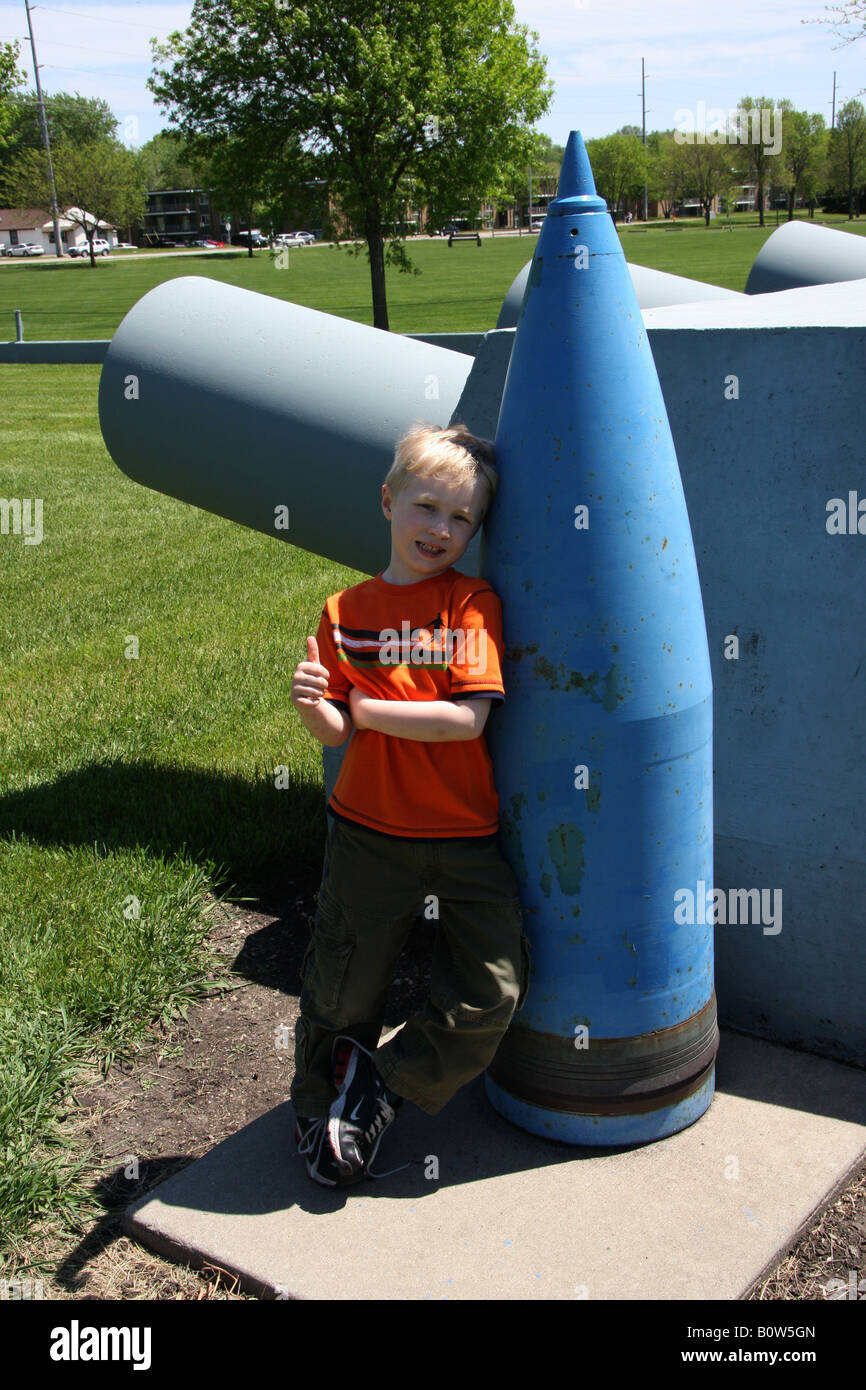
97, 182
365, 94
847, 151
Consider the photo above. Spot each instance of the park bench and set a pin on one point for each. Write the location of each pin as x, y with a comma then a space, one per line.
464, 236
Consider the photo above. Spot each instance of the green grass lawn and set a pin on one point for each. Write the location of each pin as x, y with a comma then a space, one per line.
75, 300
129, 788
134, 788
458, 289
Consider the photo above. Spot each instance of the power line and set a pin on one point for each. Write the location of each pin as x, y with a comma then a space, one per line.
81, 14
81, 48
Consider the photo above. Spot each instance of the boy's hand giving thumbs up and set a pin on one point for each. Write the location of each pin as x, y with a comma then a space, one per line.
311, 678
325, 722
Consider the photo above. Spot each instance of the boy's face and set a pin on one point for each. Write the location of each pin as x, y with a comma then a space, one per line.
432, 522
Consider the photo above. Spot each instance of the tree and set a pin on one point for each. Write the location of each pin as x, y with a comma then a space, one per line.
618, 165
803, 144
168, 162
100, 182
73, 120
11, 79
665, 170
545, 159
706, 172
852, 10
754, 154
802, 152
241, 180
815, 178
847, 152
379, 90
730, 193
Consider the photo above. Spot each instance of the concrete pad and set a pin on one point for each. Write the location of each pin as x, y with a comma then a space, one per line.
512, 1216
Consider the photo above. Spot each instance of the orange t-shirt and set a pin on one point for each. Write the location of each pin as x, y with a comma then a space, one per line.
437, 639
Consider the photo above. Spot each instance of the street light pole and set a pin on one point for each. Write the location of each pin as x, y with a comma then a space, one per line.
643, 122
833, 120
58, 249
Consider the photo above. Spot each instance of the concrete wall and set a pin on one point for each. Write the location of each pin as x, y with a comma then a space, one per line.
78, 352
790, 801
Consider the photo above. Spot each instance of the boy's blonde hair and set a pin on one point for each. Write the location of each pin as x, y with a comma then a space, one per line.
453, 453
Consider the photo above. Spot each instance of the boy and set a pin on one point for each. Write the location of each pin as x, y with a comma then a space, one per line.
410, 661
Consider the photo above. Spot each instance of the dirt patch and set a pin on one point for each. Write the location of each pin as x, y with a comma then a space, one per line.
232, 1061
189, 1088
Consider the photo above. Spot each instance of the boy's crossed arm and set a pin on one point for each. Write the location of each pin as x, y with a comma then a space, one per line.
430, 721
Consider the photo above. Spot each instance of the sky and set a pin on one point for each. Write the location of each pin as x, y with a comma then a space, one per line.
699, 57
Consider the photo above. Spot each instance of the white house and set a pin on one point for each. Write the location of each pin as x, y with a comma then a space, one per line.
35, 225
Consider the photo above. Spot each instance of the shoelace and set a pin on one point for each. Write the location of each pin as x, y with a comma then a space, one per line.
387, 1174
384, 1115
315, 1133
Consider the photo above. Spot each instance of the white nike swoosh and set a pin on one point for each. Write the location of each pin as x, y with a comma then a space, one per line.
354, 1114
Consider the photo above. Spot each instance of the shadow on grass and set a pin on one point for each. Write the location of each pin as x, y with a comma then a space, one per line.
262, 847
258, 841
114, 1192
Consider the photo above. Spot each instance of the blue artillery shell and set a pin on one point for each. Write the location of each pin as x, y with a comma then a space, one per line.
603, 748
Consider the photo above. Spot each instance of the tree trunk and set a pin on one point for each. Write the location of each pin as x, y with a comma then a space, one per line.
707, 214
791, 196
376, 244
760, 202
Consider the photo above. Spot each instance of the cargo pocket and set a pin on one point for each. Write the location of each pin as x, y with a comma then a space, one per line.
326, 961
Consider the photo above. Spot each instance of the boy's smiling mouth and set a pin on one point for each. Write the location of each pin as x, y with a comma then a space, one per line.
430, 549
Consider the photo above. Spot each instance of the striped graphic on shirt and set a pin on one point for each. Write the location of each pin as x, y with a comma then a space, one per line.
430, 644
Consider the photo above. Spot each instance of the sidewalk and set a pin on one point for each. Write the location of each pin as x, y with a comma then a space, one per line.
485, 1210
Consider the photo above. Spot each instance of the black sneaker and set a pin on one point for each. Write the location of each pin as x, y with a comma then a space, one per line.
360, 1114
311, 1137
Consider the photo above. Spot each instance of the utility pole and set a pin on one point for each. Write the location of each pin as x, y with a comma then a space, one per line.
643, 124
833, 121
58, 249
530, 195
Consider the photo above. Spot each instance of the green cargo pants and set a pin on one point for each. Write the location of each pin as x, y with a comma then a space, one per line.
373, 887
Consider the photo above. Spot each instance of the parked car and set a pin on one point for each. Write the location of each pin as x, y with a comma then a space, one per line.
536, 224
25, 248
100, 248
294, 239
